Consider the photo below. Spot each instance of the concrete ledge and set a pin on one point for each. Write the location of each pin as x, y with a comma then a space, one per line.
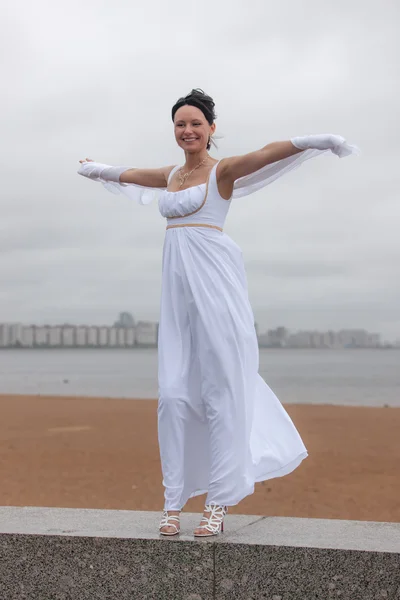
68, 554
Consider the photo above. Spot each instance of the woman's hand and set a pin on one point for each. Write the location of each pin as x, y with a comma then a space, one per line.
86, 160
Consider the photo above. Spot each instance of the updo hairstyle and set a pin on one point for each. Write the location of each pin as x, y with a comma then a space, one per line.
201, 101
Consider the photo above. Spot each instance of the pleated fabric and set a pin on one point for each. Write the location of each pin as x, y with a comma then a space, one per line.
221, 428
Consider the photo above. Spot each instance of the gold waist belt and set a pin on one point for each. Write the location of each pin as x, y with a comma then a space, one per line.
194, 225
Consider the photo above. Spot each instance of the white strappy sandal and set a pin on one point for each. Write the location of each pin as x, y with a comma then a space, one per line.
169, 520
214, 524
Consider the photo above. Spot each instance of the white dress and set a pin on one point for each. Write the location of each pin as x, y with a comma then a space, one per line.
220, 427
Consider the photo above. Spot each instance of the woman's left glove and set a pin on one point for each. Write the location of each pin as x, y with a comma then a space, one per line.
325, 141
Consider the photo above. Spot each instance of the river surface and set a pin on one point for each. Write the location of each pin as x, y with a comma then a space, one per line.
349, 377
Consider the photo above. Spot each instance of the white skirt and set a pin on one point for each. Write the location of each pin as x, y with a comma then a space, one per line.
220, 427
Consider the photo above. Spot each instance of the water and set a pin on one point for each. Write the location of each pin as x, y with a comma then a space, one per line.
352, 377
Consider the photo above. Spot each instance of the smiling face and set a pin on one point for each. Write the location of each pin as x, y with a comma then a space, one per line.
192, 129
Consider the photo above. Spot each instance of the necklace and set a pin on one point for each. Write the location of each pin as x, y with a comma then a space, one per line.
185, 176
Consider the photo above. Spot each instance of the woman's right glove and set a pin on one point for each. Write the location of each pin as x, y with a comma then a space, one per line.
101, 172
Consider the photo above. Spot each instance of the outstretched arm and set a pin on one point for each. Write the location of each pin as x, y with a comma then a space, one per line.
157, 178
235, 167
154, 178
231, 169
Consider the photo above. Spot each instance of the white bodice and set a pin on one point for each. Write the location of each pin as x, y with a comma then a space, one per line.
196, 204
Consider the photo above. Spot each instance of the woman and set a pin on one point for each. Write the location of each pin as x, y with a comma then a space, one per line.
221, 429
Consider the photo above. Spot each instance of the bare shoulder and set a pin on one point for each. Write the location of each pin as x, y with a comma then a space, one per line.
224, 179
167, 172
222, 168
228, 168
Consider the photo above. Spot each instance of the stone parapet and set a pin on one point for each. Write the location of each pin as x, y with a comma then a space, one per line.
82, 554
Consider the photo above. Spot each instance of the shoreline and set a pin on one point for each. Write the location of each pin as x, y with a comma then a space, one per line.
99, 452
54, 397
152, 347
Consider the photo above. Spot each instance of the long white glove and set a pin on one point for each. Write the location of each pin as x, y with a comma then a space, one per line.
109, 177
325, 141
100, 172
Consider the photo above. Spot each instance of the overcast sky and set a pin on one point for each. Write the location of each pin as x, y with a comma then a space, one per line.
98, 78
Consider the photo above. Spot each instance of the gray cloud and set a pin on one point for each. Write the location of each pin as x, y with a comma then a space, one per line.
321, 246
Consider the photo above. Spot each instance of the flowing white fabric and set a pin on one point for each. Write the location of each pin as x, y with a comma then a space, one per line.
266, 175
220, 427
242, 187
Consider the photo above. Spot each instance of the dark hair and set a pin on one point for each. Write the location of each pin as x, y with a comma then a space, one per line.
200, 100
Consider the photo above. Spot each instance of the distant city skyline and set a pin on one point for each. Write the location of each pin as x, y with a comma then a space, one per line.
260, 330
126, 332
129, 317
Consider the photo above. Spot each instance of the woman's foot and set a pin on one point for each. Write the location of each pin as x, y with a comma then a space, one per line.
170, 524
212, 522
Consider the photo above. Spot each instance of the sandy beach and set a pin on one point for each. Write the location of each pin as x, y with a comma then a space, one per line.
103, 453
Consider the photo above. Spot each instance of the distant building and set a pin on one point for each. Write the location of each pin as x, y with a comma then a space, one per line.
121, 337
113, 337
68, 339
353, 338
14, 334
331, 339
146, 333
55, 336
4, 327
374, 340
276, 338
130, 337
40, 335
27, 336
3, 335
103, 335
81, 335
125, 320
92, 336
